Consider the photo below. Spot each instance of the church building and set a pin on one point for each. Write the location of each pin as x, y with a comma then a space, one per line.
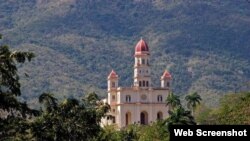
141, 103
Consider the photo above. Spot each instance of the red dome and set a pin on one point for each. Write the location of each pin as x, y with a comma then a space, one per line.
112, 75
141, 46
166, 74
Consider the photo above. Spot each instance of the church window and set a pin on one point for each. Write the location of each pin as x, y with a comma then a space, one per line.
113, 119
143, 97
143, 61
147, 83
143, 83
113, 84
139, 83
168, 84
159, 116
159, 98
128, 98
113, 97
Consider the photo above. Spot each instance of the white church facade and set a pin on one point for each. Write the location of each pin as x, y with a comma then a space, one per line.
141, 103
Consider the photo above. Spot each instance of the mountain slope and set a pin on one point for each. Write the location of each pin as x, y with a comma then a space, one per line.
204, 44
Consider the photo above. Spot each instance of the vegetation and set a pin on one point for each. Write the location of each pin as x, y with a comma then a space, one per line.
73, 120
156, 131
179, 116
70, 119
173, 101
233, 110
79, 42
12, 111
204, 44
192, 101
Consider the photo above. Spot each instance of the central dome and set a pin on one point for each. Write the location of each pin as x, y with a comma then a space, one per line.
141, 47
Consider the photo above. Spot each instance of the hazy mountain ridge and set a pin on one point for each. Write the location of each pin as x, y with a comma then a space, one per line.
204, 44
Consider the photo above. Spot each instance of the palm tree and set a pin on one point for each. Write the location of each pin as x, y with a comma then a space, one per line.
179, 116
49, 101
193, 100
173, 101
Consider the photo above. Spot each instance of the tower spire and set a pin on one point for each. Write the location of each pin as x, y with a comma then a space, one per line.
141, 68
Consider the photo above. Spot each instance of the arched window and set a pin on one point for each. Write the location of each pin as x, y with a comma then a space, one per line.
168, 84
147, 83
113, 84
139, 83
144, 117
159, 116
128, 98
113, 97
143, 84
159, 98
143, 61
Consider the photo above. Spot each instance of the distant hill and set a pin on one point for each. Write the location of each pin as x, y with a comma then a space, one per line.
204, 44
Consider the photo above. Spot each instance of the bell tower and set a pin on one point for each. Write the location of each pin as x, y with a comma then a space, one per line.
112, 81
166, 80
112, 86
142, 77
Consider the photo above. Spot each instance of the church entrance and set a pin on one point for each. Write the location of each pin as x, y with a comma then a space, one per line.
128, 118
144, 118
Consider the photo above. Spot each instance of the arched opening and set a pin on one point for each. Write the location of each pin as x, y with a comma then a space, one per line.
159, 98
128, 118
128, 98
144, 118
159, 116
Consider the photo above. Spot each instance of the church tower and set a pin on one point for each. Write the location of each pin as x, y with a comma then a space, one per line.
112, 85
142, 77
142, 103
166, 80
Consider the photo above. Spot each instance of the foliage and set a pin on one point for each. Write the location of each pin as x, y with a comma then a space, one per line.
157, 131
198, 41
179, 116
173, 101
233, 110
13, 113
69, 120
192, 101
202, 113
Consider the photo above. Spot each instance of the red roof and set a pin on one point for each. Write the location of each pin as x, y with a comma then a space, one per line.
166, 74
113, 74
141, 46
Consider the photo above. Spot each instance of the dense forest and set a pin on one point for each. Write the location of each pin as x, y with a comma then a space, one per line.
72, 119
203, 43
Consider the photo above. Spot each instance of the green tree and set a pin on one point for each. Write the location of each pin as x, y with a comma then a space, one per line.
179, 116
13, 118
70, 120
192, 101
235, 113
49, 101
173, 101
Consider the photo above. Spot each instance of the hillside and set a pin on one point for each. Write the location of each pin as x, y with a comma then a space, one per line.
203, 43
